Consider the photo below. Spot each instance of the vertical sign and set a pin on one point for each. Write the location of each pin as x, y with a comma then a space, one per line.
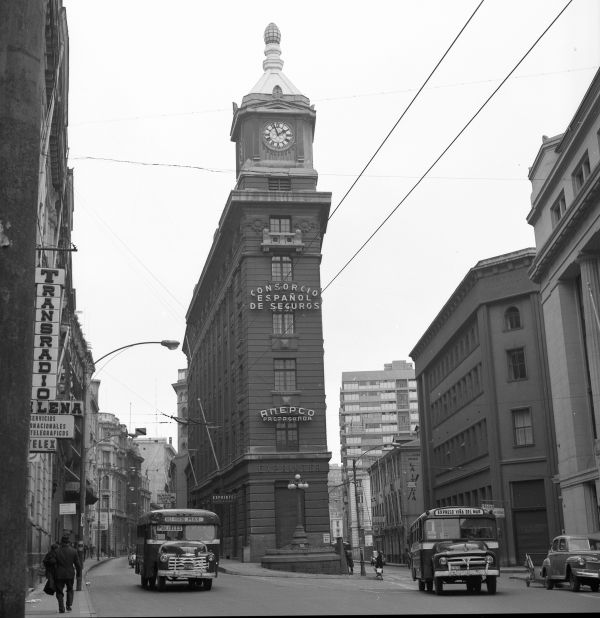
49, 284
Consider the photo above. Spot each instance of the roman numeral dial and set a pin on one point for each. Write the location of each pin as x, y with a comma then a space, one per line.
278, 135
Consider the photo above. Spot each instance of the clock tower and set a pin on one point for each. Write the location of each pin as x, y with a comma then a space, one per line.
254, 335
274, 128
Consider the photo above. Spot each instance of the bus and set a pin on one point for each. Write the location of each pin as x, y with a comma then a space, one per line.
455, 545
178, 545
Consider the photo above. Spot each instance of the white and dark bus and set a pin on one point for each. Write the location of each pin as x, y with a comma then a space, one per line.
455, 545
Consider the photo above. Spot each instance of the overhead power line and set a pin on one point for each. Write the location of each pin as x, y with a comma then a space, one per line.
452, 142
385, 139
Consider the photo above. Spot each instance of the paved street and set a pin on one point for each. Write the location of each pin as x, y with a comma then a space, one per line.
113, 589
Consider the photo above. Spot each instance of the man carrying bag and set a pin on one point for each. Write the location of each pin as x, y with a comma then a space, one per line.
67, 564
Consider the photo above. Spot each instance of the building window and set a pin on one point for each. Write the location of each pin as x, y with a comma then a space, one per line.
280, 224
512, 318
283, 323
516, 364
286, 436
522, 427
581, 173
558, 209
280, 184
285, 374
281, 268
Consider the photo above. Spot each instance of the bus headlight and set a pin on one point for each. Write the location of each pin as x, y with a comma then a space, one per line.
211, 557
489, 559
443, 561
164, 558
581, 561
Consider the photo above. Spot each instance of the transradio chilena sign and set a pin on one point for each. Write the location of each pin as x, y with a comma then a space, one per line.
44, 430
285, 296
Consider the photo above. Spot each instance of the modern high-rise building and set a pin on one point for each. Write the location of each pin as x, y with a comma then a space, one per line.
377, 408
254, 336
565, 215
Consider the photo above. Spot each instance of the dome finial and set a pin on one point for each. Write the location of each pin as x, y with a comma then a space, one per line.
272, 34
272, 61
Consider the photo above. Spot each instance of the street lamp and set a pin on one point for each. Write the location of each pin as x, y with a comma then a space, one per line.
360, 529
299, 539
170, 344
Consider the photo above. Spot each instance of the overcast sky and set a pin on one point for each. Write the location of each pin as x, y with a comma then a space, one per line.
150, 110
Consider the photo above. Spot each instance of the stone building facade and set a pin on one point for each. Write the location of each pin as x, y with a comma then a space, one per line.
254, 340
565, 215
486, 430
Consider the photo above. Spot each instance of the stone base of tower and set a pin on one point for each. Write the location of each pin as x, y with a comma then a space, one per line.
323, 560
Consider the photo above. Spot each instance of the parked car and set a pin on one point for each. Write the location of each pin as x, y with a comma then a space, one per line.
574, 559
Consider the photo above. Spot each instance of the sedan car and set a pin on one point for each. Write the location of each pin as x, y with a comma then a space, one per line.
574, 559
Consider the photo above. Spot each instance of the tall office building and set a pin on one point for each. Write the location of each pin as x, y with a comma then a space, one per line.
376, 408
254, 337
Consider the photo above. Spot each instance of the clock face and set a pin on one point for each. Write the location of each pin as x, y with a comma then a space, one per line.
278, 135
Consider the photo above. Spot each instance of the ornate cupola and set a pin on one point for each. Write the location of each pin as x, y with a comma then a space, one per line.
273, 129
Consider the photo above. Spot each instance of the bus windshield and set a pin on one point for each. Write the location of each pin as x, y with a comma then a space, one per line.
460, 529
184, 532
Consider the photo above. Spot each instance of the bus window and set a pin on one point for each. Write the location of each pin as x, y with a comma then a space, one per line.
477, 529
441, 529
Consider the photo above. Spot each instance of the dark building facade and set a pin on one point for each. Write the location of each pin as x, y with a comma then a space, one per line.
486, 430
254, 340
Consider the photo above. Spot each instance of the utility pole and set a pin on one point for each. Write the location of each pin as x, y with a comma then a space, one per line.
22, 57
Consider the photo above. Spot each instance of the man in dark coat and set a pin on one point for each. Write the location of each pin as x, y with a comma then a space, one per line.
67, 565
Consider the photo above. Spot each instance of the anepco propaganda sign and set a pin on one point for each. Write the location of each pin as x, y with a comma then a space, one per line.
285, 296
289, 414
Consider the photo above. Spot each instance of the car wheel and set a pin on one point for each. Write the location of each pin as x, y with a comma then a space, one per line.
574, 583
549, 583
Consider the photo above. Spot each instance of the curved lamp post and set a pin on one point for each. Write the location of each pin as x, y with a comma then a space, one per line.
170, 344
299, 538
361, 531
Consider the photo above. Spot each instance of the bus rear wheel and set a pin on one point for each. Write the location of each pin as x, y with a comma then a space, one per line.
162, 583
429, 585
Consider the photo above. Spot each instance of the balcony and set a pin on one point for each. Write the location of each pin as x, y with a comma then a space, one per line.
282, 240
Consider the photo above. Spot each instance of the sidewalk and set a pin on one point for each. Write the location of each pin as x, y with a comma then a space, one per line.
38, 603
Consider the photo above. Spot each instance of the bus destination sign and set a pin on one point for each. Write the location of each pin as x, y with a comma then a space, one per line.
464, 510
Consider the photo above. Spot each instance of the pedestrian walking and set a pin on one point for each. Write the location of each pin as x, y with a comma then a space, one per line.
350, 561
67, 565
379, 565
49, 563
